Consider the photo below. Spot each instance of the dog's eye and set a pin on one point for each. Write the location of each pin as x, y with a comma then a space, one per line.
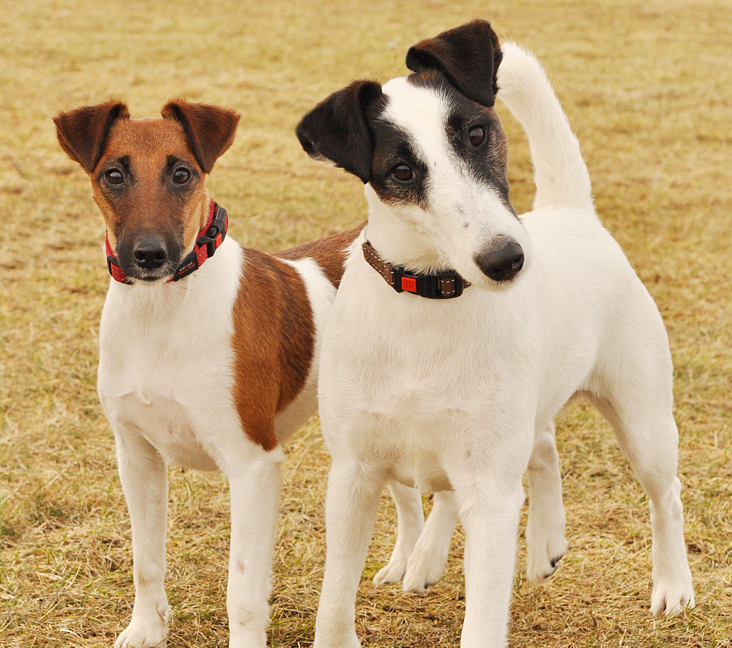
114, 177
181, 175
477, 135
402, 173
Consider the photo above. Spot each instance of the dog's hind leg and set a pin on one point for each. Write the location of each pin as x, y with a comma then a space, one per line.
144, 481
632, 387
428, 559
545, 541
649, 438
410, 522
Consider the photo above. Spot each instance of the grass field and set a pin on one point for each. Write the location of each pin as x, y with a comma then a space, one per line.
647, 86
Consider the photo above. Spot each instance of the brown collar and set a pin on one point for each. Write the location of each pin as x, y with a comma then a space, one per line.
442, 285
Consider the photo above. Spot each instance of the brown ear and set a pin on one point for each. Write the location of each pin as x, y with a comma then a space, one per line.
209, 130
83, 132
337, 130
468, 56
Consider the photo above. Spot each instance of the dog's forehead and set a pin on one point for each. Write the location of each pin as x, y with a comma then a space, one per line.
146, 138
420, 111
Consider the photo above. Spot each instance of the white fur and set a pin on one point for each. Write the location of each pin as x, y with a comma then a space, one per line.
165, 381
464, 216
461, 394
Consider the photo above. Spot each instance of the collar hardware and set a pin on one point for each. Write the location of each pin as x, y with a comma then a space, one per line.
209, 240
441, 285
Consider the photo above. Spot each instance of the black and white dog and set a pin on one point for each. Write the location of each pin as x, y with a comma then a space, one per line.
454, 387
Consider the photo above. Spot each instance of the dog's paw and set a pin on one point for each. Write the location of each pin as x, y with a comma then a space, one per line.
393, 572
335, 639
670, 599
145, 631
424, 569
543, 554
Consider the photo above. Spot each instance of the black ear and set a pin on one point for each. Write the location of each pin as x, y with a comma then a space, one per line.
210, 130
82, 133
336, 129
468, 56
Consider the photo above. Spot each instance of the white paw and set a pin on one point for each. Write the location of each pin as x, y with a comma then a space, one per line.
671, 598
145, 632
543, 553
392, 572
423, 570
326, 639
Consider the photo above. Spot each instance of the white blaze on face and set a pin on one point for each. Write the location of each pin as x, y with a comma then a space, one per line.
462, 212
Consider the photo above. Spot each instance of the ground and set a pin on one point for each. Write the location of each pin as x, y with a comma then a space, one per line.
647, 86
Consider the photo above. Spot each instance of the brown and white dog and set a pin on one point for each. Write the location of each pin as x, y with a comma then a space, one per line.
208, 351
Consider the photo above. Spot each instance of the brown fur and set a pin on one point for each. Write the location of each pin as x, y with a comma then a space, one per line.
274, 332
328, 252
273, 343
82, 133
148, 144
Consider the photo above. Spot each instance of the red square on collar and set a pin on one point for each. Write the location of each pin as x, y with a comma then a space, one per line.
409, 284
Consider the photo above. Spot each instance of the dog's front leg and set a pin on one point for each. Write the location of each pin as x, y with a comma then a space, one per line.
350, 512
489, 495
144, 481
254, 491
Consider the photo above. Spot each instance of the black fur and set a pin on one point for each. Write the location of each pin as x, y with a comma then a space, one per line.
393, 146
468, 56
336, 129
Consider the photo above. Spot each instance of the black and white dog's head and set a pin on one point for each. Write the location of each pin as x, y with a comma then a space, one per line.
432, 148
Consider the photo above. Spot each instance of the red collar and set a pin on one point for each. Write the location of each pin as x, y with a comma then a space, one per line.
209, 239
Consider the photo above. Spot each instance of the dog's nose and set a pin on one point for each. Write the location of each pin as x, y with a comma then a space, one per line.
149, 253
501, 262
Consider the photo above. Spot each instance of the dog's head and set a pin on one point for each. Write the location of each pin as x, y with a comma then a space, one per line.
148, 176
432, 148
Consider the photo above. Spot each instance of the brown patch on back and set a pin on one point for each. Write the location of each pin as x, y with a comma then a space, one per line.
273, 343
274, 332
328, 252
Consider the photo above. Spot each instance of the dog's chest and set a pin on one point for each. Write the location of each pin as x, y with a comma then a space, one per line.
166, 374
170, 396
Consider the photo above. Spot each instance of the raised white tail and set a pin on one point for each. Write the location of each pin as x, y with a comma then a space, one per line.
560, 173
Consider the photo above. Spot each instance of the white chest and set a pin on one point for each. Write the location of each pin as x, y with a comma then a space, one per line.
165, 368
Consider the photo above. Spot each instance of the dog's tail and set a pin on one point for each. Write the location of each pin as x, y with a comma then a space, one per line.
560, 173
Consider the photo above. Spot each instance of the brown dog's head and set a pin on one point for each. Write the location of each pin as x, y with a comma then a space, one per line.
148, 176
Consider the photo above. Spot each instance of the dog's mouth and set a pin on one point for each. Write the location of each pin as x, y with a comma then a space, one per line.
149, 276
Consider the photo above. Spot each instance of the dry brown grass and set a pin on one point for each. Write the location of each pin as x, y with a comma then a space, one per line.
647, 86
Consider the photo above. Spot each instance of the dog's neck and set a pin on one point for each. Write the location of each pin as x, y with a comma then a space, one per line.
396, 241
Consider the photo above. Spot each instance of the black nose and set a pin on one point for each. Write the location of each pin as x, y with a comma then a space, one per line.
501, 262
149, 253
